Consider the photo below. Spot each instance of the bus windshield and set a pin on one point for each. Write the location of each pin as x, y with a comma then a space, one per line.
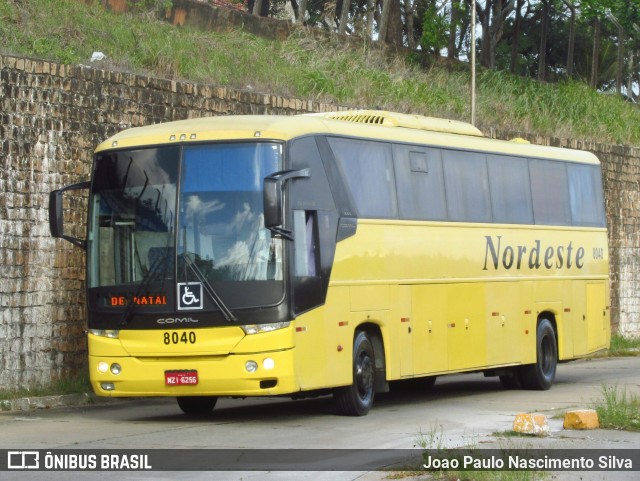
153, 206
221, 214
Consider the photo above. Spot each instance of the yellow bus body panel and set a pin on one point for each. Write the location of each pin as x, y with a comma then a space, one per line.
464, 311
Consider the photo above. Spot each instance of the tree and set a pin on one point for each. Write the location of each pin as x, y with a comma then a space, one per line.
409, 15
344, 16
492, 17
259, 7
370, 13
457, 14
395, 25
384, 19
515, 44
434, 29
544, 36
626, 17
572, 6
302, 11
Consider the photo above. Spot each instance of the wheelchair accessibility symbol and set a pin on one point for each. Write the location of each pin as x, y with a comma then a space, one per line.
189, 296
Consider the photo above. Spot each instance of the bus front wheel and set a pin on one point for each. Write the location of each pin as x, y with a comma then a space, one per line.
357, 399
540, 375
196, 404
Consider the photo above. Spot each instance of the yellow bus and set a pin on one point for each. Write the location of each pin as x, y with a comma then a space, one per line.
336, 253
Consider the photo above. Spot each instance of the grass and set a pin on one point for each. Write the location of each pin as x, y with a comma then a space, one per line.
624, 346
358, 75
618, 409
73, 384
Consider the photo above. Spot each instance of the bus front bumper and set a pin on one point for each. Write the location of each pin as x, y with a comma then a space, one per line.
227, 375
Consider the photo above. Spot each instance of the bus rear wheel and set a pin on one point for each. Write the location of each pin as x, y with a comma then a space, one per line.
357, 399
196, 404
540, 375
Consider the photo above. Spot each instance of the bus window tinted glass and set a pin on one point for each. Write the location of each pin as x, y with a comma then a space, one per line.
420, 183
585, 195
510, 190
368, 171
549, 192
467, 186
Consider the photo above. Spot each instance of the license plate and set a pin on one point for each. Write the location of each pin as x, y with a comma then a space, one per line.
181, 378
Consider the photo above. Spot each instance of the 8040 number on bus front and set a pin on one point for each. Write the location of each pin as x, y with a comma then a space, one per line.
176, 337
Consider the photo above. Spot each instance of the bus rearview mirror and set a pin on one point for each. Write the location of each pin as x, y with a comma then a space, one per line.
273, 199
272, 202
56, 214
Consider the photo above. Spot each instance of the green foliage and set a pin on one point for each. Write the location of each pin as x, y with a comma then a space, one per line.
70, 384
434, 31
327, 70
624, 346
618, 409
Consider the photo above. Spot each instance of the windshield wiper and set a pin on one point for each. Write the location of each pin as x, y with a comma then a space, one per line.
226, 312
152, 274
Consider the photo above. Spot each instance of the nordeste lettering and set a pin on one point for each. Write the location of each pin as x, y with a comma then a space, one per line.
533, 256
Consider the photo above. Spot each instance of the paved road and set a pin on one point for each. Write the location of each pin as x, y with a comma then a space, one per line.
460, 410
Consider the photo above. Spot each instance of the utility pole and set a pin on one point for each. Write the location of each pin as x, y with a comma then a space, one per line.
473, 62
631, 55
620, 51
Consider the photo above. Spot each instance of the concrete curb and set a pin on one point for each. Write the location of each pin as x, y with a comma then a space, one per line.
28, 404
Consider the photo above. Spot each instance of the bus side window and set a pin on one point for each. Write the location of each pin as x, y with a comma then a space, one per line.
510, 189
549, 192
419, 183
585, 195
368, 171
306, 252
467, 186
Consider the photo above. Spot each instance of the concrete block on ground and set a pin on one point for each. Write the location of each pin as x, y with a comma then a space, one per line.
581, 419
531, 423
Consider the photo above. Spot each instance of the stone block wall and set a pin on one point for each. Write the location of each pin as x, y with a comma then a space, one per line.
621, 180
52, 116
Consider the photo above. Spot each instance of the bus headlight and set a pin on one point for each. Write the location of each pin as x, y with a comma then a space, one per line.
110, 333
268, 363
251, 366
258, 328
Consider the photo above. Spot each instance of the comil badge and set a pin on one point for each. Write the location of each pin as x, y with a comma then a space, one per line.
189, 296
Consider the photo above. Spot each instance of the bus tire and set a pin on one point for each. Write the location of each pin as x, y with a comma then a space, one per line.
540, 376
357, 399
197, 404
